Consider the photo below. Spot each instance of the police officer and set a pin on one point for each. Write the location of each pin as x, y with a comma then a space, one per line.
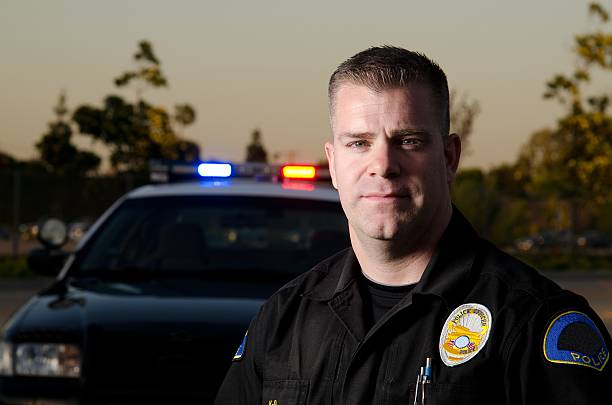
420, 309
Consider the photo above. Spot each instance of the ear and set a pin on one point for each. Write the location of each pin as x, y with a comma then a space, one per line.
329, 152
452, 153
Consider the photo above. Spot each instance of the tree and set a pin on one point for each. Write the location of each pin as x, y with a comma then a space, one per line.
494, 202
148, 70
184, 114
187, 151
138, 132
471, 194
256, 153
503, 179
573, 161
463, 113
6, 160
58, 153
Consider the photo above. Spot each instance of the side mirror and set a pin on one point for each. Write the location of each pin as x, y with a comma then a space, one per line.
53, 233
47, 262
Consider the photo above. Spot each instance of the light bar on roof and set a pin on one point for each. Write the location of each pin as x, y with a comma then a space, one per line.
215, 169
299, 172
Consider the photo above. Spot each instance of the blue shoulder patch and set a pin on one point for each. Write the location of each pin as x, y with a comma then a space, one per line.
240, 351
573, 338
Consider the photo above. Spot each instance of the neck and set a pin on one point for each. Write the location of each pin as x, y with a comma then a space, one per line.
399, 261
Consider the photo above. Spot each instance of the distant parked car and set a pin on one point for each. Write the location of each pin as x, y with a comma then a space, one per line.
545, 240
77, 228
28, 231
594, 239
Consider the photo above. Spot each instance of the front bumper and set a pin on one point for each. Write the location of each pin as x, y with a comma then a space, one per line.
65, 391
49, 391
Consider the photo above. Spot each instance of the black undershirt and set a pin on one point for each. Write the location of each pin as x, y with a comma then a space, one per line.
379, 299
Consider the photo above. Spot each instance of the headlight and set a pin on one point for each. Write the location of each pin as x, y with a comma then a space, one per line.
6, 359
47, 360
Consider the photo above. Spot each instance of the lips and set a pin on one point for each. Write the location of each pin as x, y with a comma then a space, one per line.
384, 196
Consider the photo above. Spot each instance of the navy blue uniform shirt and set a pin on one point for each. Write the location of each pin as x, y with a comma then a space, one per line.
496, 330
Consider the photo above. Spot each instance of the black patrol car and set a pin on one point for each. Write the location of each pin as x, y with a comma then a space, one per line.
156, 298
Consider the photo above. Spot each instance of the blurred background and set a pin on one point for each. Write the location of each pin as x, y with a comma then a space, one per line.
91, 91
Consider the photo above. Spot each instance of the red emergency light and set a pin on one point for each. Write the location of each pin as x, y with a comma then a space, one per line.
303, 172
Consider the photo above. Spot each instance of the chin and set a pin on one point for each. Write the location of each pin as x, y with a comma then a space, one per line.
382, 231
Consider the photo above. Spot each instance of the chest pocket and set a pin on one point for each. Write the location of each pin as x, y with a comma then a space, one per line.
437, 394
285, 392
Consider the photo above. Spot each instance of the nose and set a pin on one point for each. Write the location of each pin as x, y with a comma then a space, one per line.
384, 161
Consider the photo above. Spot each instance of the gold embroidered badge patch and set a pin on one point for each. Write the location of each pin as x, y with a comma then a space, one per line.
464, 333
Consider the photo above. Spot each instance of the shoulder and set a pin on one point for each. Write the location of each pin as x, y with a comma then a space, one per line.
516, 275
518, 293
535, 310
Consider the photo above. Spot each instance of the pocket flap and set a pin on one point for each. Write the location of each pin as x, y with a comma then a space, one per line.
284, 392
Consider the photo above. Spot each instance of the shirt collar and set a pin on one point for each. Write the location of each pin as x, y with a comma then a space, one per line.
445, 276
450, 270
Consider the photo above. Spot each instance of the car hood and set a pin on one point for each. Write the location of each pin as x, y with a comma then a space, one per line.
70, 310
159, 337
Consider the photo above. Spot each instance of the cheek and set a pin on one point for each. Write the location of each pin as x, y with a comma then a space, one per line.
347, 168
436, 177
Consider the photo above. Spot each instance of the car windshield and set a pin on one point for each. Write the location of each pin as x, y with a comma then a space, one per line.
214, 236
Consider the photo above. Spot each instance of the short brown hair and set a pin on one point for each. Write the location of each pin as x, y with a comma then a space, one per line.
385, 67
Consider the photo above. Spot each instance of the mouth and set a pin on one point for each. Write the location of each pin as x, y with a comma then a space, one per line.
384, 196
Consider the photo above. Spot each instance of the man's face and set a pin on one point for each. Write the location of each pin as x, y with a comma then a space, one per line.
389, 160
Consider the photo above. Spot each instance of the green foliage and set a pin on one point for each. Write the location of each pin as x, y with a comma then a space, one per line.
145, 53
134, 133
597, 10
494, 202
138, 132
148, 70
184, 114
463, 113
14, 268
504, 179
556, 261
471, 194
570, 166
58, 154
187, 151
602, 218
6, 160
574, 160
511, 221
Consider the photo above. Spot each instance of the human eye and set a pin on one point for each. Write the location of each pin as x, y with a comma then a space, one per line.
411, 142
358, 144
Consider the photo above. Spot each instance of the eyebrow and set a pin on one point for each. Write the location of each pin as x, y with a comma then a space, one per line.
409, 132
357, 135
394, 134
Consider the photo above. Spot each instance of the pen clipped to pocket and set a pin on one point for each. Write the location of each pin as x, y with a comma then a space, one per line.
423, 379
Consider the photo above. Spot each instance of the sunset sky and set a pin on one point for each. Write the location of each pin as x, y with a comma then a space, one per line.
265, 64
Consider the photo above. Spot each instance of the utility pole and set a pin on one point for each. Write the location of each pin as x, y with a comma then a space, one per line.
16, 213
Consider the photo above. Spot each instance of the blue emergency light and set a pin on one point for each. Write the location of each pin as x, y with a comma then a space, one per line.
168, 171
215, 169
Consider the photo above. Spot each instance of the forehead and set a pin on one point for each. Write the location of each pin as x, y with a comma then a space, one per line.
358, 108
